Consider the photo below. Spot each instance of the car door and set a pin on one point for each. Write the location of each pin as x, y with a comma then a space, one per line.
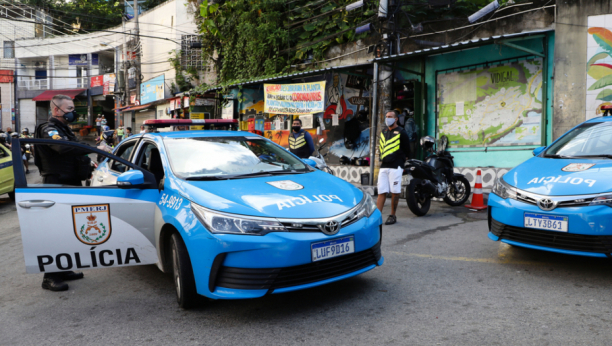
108, 171
6, 170
67, 227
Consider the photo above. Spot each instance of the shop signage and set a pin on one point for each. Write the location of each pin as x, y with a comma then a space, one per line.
130, 55
177, 104
197, 116
97, 81
6, 76
108, 84
358, 101
228, 110
205, 102
81, 59
186, 102
302, 98
132, 99
152, 90
171, 108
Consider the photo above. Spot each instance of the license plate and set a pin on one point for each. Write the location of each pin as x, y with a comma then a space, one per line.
332, 248
547, 222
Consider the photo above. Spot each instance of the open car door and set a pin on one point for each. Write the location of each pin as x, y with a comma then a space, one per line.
67, 227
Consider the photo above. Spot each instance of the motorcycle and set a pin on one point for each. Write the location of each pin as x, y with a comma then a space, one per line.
435, 178
320, 159
28, 151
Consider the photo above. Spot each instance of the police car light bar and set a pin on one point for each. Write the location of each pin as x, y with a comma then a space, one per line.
188, 122
606, 109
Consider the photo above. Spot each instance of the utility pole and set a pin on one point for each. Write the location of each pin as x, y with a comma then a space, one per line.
88, 86
136, 33
126, 82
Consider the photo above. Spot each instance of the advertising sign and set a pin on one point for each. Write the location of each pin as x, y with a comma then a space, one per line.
6, 76
152, 90
109, 84
186, 102
499, 105
205, 102
81, 59
302, 98
198, 116
228, 110
97, 81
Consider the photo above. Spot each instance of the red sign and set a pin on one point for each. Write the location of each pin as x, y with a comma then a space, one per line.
6, 76
105, 88
97, 81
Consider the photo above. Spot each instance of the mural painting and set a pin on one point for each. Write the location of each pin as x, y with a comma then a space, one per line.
345, 96
599, 64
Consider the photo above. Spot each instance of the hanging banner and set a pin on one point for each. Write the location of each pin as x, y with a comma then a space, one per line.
108, 84
302, 98
97, 81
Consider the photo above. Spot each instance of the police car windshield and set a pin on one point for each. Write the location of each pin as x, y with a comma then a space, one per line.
229, 157
586, 140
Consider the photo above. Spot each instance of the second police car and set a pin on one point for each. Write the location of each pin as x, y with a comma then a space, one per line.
230, 214
561, 199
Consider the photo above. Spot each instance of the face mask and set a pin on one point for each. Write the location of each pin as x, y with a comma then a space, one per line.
69, 116
390, 121
296, 128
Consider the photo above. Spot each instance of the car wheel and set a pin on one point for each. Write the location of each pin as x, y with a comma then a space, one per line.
418, 202
182, 273
12, 195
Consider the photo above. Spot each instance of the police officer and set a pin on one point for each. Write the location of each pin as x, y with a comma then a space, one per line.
58, 165
300, 141
394, 147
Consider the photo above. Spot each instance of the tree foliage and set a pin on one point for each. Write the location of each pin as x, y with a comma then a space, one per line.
91, 14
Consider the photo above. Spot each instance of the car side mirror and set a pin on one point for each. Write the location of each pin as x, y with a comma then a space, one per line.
130, 179
537, 151
309, 162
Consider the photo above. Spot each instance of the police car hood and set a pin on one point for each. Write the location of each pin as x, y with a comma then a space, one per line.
558, 177
310, 195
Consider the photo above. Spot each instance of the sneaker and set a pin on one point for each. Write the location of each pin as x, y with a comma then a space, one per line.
391, 220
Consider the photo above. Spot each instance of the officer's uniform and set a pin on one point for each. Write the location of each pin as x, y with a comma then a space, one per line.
57, 164
394, 147
301, 144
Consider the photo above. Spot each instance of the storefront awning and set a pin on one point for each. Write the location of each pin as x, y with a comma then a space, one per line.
136, 108
294, 75
48, 95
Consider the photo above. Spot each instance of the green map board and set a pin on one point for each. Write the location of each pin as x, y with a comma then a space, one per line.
499, 105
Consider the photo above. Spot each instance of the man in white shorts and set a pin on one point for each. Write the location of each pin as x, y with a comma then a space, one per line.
394, 147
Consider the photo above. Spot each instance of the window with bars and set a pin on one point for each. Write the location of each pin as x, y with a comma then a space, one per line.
191, 57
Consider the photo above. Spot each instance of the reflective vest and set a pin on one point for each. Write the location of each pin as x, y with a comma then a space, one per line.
299, 146
387, 147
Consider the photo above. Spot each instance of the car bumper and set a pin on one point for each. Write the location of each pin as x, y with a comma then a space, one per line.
589, 228
240, 266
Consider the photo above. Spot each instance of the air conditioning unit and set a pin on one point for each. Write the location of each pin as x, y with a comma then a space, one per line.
40, 65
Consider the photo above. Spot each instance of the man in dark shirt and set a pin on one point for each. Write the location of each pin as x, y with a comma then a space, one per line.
58, 165
394, 147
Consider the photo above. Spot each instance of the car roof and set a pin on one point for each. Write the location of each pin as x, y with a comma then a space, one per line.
202, 134
599, 119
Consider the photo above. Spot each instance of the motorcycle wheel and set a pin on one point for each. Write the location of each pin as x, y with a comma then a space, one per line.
328, 170
418, 202
457, 196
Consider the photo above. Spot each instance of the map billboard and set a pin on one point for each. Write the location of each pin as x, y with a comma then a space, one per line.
499, 105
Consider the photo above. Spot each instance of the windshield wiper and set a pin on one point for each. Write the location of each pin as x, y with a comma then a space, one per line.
207, 177
602, 155
555, 156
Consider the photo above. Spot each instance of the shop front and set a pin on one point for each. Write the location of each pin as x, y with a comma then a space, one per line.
491, 97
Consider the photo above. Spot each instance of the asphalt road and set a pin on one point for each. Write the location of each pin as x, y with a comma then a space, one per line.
443, 283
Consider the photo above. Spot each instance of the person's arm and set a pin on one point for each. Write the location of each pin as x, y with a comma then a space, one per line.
309, 141
52, 133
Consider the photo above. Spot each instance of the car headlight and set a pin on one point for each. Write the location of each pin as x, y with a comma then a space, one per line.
224, 223
365, 208
503, 189
602, 200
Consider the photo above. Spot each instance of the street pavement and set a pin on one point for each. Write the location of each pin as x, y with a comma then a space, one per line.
443, 283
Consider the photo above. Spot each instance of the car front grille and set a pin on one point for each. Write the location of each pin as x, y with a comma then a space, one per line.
552, 239
298, 227
563, 203
274, 278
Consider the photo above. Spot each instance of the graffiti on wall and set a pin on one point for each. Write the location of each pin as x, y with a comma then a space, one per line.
345, 96
599, 64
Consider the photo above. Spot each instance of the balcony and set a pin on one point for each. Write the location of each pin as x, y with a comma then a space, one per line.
58, 83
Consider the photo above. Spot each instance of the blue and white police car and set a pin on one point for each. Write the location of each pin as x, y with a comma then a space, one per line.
561, 199
229, 214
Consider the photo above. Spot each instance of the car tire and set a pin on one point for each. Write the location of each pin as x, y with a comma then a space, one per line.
12, 195
182, 273
418, 203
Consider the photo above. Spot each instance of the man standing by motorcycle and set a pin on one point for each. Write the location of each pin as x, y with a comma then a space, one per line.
394, 147
300, 141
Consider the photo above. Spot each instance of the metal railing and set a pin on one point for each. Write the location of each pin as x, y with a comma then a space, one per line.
58, 83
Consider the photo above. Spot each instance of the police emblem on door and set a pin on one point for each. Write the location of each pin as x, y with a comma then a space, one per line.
92, 225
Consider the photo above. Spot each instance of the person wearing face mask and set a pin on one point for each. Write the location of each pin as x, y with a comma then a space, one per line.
60, 165
300, 141
394, 147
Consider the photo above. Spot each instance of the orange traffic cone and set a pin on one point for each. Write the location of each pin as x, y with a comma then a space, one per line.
477, 199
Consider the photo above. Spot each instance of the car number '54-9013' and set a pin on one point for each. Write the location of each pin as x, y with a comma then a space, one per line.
171, 202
